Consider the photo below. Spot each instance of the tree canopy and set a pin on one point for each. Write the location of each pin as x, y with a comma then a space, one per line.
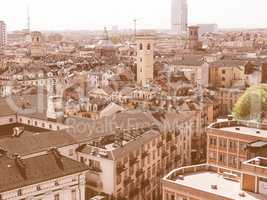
252, 104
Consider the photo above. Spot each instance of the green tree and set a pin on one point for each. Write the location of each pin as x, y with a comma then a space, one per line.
252, 104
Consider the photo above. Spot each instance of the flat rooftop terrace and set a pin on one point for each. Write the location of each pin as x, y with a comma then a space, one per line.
246, 131
241, 127
203, 179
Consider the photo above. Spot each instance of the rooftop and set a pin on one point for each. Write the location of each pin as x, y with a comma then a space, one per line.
215, 184
16, 172
242, 127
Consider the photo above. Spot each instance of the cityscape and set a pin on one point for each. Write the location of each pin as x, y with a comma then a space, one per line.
132, 112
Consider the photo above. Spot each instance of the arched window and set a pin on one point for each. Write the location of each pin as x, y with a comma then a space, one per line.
148, 46
141, 46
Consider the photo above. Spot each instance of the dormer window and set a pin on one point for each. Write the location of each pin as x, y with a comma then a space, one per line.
19, 192
38, 188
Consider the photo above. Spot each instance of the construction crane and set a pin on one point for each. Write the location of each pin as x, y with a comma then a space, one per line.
135, 25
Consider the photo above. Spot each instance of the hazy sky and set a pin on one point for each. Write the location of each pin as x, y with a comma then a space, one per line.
95, 14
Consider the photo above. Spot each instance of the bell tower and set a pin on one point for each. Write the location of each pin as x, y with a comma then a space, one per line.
145, 58
37, 45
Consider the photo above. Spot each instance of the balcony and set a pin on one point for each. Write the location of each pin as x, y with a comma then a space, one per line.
177, 133
127, 181
144, 154
169, 137
145, 183
133, 192
133, 160
177, 158
164, 154
160, 144
173, 148
120, 168
139, 172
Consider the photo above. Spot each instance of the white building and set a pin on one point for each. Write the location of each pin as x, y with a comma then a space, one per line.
179, 18
48, 176
2, 34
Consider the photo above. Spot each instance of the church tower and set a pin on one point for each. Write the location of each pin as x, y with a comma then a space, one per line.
37, 45
145, 58
55, 108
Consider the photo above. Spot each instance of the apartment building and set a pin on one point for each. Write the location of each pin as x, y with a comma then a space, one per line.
230, 143
209, 182
128, 162
227, 73
47, 176
227, 98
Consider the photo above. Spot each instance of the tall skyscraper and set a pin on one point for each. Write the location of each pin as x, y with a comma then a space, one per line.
179, 18
2, 34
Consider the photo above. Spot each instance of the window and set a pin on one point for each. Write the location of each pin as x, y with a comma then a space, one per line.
73, 195
10, 119
50, 126
82, 160
29, 121
148, 46
71, 152
223, 79
141, 46
19, 192
223, 71
56, 197
35, 123
43, 125
38, 188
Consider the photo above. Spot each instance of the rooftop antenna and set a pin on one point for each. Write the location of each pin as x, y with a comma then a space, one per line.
135, 26
28, 19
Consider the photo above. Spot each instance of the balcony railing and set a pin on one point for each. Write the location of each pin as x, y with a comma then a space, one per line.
133, 192
160, 144
127, 181
120, 168
145, 183
144, 154
133, 160
173, 148
139, 172
169, 137
164, 154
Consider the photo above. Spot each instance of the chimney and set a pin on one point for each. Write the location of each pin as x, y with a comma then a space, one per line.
54, 151
21, 165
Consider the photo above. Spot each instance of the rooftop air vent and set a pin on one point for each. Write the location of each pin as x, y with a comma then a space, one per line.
214, 187
258, 132
237, 128
242, 194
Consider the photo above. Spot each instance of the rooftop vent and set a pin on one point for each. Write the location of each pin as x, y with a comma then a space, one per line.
17, 131
258, 132
181, 177
242, 194
214, 187
237, 128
